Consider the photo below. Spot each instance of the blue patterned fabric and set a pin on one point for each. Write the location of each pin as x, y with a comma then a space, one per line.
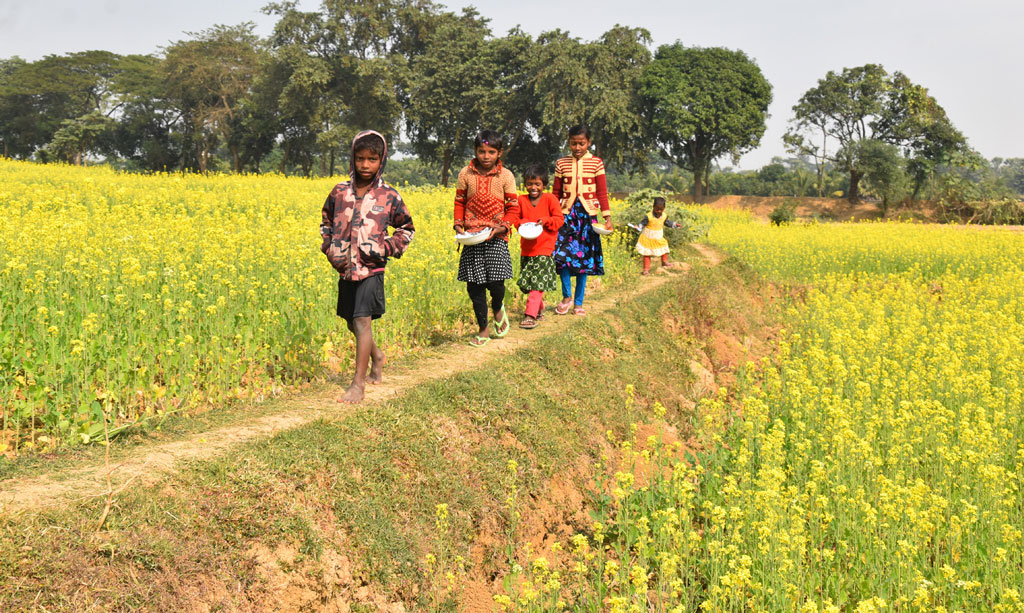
578, 248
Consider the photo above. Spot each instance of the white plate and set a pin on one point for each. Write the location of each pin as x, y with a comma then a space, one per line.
530, 230
473, 238
600, 229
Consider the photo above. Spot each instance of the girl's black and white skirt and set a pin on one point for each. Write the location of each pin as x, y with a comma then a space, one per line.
485, 263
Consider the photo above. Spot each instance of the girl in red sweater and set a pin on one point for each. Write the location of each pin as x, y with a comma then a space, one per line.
537, 272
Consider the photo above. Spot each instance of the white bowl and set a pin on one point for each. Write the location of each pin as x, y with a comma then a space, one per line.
473, 238
600, 229
530, 230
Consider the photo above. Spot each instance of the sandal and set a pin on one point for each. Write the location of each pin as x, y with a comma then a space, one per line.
578, 310
540, 316
562, 308
645, 273
479, 341
528, 323
502, 326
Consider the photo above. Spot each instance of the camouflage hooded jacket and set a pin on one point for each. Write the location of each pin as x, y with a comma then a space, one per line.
355, 230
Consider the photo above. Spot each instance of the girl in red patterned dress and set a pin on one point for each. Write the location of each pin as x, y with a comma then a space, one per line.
486, 199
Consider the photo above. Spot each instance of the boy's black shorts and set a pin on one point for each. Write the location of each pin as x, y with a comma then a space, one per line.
361, 298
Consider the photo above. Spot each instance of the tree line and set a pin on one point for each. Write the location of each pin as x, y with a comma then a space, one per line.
225, 99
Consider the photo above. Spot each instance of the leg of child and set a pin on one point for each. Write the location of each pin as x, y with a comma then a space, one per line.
566, 278
501, 323
534, 303
478, 295
362, 329
377, 360
664, 261
647, 264
581, 289
497, 297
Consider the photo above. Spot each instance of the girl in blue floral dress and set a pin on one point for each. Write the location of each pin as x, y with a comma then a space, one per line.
582, 191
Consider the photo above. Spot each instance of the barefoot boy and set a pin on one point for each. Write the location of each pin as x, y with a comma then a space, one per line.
356, 242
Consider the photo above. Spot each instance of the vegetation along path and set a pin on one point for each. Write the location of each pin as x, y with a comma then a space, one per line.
148, 464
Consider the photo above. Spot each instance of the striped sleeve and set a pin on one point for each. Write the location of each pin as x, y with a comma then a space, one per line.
601, 183
556, 184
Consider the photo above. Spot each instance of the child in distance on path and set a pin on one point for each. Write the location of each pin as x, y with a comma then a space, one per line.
485, 198
652, 241
353, 226
537, 272
581, 188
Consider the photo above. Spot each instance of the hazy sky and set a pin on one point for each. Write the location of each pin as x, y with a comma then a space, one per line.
969, 55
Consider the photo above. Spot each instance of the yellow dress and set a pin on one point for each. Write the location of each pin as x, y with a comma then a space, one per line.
652, 239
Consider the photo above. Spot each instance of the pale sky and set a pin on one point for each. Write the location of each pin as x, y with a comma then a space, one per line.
969, 55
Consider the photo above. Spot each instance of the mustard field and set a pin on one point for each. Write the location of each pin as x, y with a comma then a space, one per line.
879, 463
138, 295
874, 463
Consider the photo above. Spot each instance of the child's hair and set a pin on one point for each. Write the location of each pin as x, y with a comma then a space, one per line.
579, 130
370, 142
489, 137
536, 171
659, 200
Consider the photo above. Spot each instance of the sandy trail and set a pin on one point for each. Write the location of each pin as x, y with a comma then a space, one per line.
150, 464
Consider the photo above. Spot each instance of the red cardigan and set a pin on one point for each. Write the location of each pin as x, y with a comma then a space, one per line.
548, 213
581, 179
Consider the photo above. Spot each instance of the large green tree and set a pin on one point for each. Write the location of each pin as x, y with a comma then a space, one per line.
593, 83
148, 132
703, 104
343, 68
208, 76
36, 98
451, 84
16, 124
511, 105
866, 103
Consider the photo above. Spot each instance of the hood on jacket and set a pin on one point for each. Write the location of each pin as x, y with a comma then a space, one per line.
379, 179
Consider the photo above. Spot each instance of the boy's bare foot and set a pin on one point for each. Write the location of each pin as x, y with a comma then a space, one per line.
377, 361
353, 395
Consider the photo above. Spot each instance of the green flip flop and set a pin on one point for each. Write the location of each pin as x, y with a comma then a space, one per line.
479, 341
502, 326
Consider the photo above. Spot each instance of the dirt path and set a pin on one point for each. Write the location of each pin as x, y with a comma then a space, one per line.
149, 464
713, 256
